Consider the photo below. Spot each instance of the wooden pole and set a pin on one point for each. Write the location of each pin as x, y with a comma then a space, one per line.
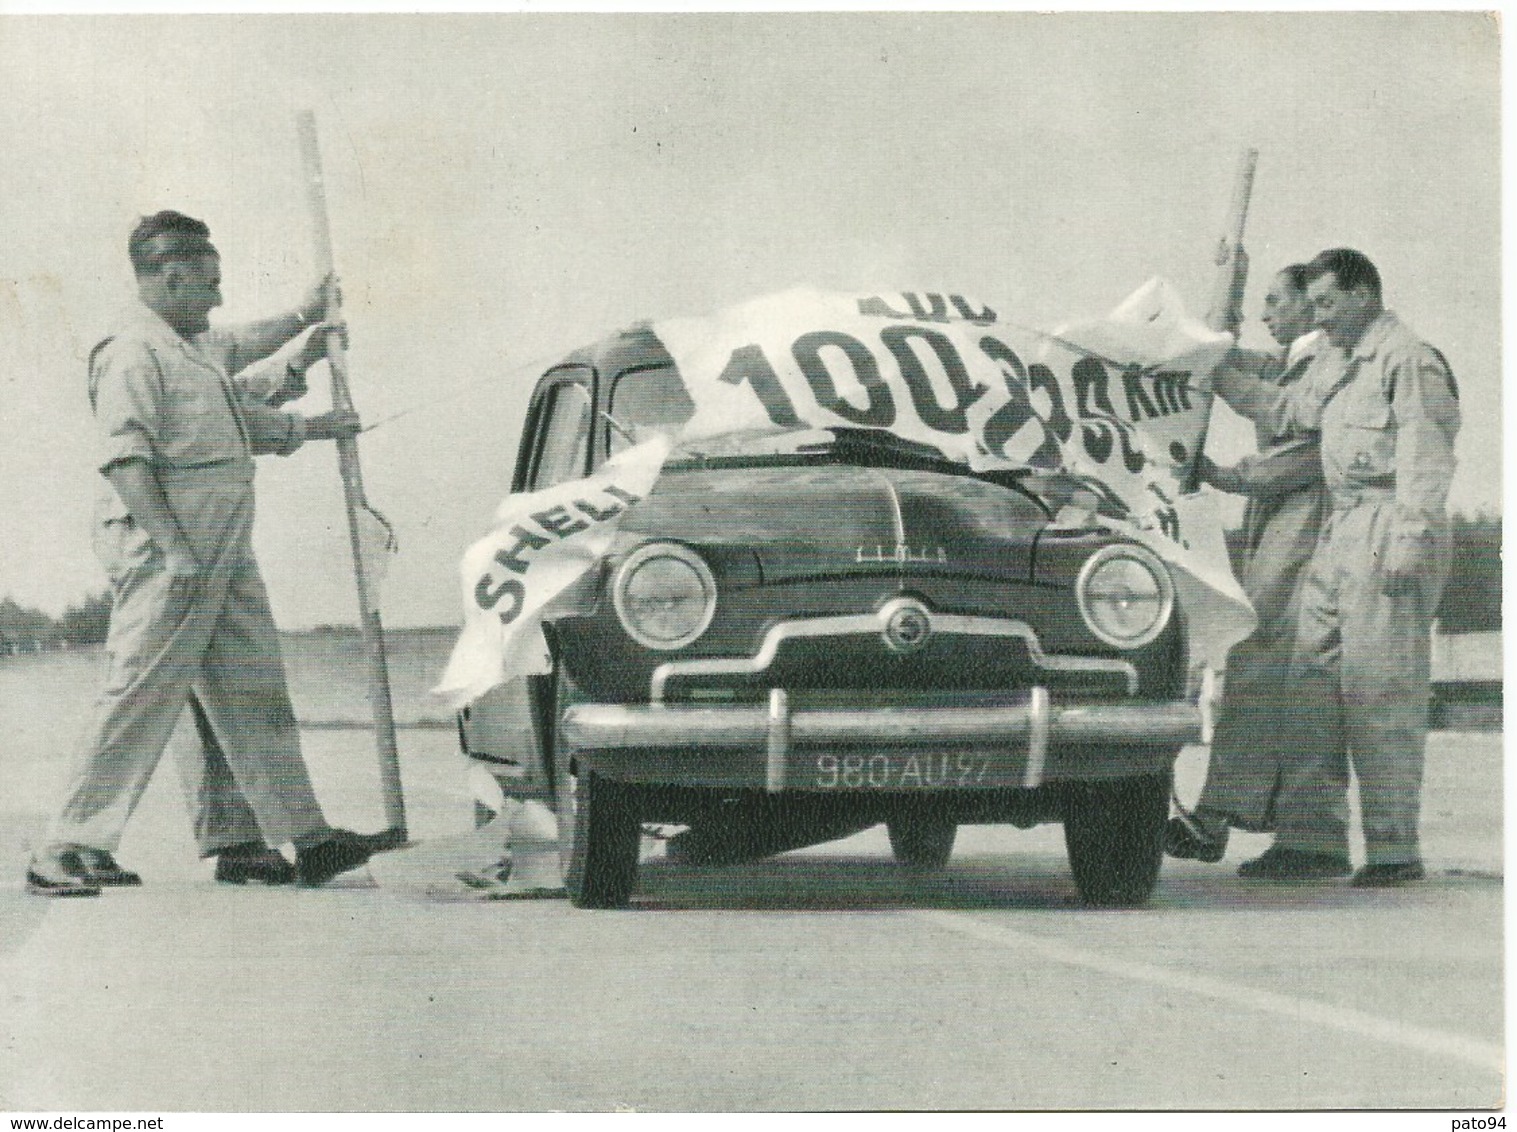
1232, 269
352, 489
1225, 311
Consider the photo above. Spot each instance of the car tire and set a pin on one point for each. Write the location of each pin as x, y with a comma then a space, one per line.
1114, 832
603, 842
922, 843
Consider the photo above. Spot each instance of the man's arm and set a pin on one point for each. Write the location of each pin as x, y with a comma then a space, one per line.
143, 496
1269, 474
1242, 380
276, 432
262, 387
1425, 404
126, 393
250, 342
333, 425
280, 378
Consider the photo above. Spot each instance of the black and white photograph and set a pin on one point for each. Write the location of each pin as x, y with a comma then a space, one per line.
751, 561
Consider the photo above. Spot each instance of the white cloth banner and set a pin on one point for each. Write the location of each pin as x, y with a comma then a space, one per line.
542, 542
1112, 399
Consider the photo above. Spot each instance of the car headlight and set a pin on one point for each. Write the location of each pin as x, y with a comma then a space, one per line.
1125, 595
665, 595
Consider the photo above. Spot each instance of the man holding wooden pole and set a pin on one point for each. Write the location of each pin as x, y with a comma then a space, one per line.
1387, 407
191, 618
1276, 763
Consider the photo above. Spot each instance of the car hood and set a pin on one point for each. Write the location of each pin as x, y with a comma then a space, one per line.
840, 519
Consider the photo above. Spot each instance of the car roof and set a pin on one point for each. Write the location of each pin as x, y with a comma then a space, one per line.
633, 348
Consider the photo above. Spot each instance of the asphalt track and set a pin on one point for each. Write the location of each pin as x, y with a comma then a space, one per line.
821, 980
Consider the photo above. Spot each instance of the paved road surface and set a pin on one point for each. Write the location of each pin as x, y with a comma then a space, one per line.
819, 980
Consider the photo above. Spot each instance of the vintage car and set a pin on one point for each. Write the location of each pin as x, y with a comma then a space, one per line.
804, 632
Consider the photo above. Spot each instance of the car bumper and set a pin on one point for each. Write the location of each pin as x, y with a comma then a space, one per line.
1021, 744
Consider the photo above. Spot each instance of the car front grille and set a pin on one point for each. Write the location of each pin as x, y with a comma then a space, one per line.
935, 654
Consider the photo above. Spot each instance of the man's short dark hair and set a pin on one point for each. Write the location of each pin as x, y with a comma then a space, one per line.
1350, 269
166, 237
1298, 276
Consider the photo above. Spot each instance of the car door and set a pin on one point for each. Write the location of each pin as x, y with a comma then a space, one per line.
555, 448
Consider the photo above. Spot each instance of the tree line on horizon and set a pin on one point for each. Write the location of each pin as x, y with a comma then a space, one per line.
25, 629
1471, 602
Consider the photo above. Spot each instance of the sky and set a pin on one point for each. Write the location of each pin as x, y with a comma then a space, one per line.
505, 187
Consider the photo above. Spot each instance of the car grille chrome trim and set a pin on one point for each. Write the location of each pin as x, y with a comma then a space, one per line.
857, 624
748, 728
1037, 715
897, 513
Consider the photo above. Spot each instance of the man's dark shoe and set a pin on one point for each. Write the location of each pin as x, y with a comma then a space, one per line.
342, 850
253, 863
1277, 863
104, 871
1388, 876
60, 873
1188, 841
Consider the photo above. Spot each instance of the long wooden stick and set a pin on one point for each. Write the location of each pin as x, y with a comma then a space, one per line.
1227, 288
352, 489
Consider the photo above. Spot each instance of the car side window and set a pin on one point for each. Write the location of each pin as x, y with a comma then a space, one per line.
644, 401
564, 437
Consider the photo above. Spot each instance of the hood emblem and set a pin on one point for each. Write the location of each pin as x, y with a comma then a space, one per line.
908, 624
902, 554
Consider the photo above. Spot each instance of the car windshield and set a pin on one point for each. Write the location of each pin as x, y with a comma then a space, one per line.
654, 400
1054, 488
645, 401
788, 446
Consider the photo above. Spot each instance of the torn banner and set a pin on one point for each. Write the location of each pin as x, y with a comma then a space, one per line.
541, 543
1110, 399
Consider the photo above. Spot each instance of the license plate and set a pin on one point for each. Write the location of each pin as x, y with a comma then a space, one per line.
899, 771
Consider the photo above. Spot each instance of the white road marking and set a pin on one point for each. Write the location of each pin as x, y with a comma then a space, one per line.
1482, 1054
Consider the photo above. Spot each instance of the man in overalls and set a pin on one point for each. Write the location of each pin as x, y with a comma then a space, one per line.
1277, 764
190, 623
1389, 416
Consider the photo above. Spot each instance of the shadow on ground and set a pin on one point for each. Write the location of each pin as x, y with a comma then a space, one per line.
810, 882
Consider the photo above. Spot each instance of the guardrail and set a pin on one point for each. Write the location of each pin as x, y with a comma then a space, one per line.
1466, 705
1467, 681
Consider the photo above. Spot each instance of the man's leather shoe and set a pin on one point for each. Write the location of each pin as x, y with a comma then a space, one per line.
60, 872
104, 871
342, 850
253, 862
1388, 876
1279, 863
1188, 841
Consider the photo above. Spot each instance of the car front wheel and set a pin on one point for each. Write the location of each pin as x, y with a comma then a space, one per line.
1114, 832
605, 830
